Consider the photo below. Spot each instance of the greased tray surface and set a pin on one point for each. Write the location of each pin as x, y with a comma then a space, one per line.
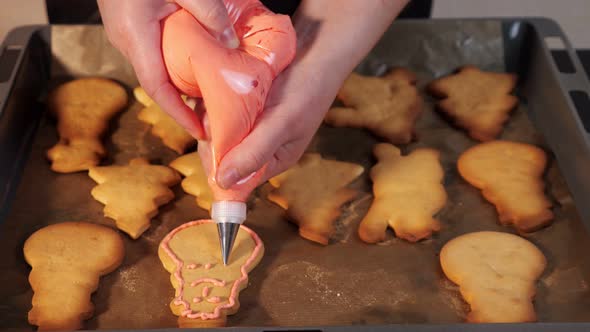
299, 283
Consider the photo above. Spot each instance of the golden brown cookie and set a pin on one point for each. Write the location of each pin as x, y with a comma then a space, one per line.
408, 191
496, 273
206, 290
388, 106
67, 260
83, 108
163, 125
476, 100
312, 193
195, 182
510, 176
132, 193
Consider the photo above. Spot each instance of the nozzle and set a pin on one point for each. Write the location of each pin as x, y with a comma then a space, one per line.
228, 215
227, 235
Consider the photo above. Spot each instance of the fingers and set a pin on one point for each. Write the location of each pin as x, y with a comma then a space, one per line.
165, 10
153, 77
343, 117
257, 149
213, 15
285, 156
204, 150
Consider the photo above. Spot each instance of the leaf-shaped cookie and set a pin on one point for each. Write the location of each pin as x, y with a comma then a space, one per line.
195, 182
408, 191
478, 101
163, 125
312, 193
132, 193
388, 106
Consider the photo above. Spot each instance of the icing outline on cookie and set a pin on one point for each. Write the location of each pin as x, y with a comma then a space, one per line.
178, 300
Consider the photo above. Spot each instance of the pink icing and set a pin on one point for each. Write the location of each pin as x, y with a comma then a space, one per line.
208, 266
235, 286
191, 266
197, 300
205, 291
216, 282
214, 299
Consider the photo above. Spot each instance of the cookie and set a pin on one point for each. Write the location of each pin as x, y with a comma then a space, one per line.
312, 193
163, 126
388, 106
83, 108
510, 176
496, 273
195, 182
206, 291
408, 191
477, 101
132, 193
67, 260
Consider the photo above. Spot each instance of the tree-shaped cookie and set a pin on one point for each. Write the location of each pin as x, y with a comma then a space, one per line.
408, 191
478, 101
388, 106
67, 261
195, 182
163, 125
83, 109
313, 191
496, 273
206, 290
510, 175
132, 193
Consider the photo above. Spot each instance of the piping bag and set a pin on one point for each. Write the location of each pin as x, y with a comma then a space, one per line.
233, 84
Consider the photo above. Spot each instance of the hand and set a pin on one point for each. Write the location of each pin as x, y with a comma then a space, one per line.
133, 27
294, 110
333, 36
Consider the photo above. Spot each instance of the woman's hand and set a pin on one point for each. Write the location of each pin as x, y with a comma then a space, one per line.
133, 27
333, 36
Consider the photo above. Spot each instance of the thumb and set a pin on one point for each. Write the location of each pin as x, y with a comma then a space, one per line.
213, 15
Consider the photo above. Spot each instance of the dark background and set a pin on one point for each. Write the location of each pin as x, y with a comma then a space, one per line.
86, 11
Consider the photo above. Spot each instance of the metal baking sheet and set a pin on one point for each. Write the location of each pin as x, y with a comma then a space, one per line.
299, 283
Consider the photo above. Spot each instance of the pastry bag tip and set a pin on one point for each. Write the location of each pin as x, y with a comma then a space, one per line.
228, 215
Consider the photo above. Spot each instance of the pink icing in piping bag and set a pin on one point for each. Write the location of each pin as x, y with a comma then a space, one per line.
233, 83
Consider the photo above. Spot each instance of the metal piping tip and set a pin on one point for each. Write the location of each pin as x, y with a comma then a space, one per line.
227, 235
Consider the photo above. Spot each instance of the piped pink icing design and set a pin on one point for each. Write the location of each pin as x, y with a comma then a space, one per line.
197, 300
191, 266
216, 282
187, 312
208, 266
205, 291
214, 299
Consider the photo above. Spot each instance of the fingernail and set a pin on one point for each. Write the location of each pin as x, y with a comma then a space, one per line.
190, 102
229, 38
228, 178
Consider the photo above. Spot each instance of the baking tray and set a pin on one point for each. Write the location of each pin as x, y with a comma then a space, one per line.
347, 285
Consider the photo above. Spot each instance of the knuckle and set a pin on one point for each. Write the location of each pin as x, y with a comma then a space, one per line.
254, 162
